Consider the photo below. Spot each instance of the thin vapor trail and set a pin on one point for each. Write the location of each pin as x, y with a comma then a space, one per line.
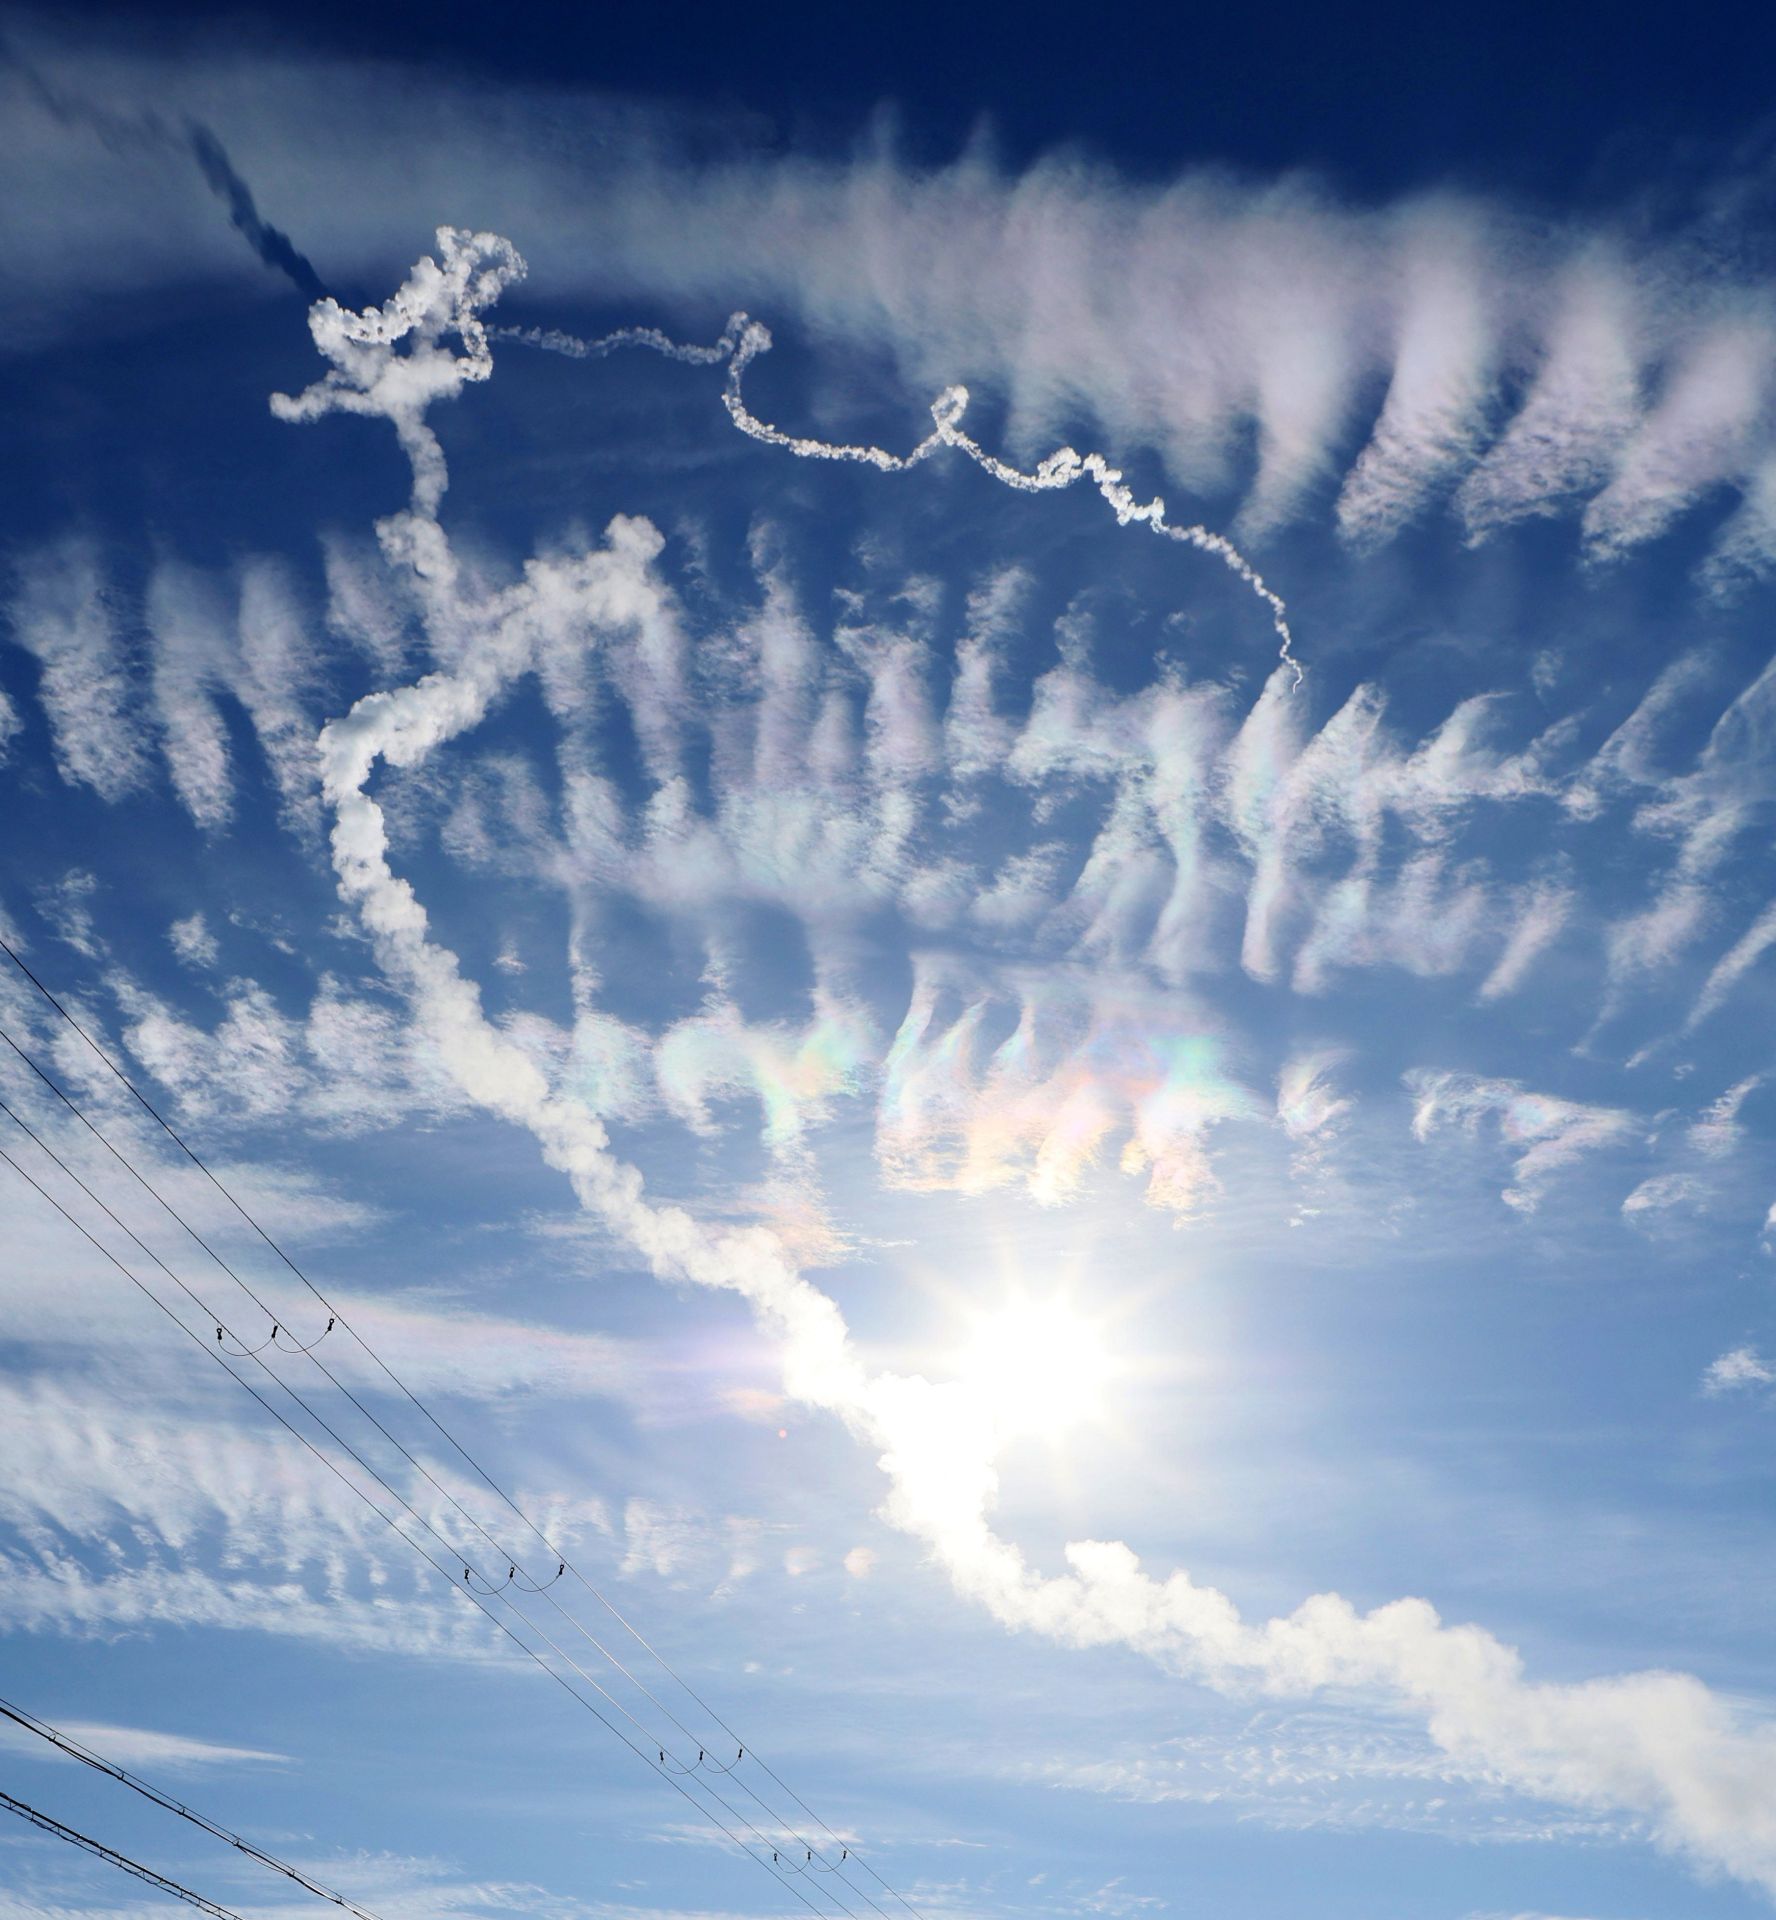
1658, 1746
744, 340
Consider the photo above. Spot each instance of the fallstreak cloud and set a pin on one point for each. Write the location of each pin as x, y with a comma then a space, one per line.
1444, 354
1657, 1746
746, 339
1023, 894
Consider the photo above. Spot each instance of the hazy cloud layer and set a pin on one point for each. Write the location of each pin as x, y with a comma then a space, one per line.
1658, 1746
1443, 354
1081, 875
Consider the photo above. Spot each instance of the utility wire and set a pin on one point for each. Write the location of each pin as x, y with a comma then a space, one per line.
253, 1353
394, 1494
647, 1758
462, 1452
116, 1859
250, 1353
66, 1743
448, 1546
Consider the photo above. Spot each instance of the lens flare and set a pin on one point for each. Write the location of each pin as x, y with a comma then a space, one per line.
1039, 1367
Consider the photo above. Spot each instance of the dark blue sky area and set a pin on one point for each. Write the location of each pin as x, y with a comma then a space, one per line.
1563, 101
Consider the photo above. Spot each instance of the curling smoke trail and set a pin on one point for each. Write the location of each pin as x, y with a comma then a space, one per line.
550, 340
744, 340
1656, 1745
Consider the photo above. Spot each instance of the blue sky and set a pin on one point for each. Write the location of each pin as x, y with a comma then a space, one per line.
1090, 1127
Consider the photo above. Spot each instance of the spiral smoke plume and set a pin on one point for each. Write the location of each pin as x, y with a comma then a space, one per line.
1657, 1746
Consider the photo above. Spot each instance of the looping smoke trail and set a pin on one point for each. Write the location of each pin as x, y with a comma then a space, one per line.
1658, 1746
573, 348
745, 339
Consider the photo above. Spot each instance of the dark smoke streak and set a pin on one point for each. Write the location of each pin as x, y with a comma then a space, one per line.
272, 244
135, 132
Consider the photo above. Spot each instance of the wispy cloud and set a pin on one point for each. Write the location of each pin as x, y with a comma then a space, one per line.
1546, 1134
1742, 1367
1075, 868
192, 940
1379, 362
61, 610
143, 1747
1654, 1746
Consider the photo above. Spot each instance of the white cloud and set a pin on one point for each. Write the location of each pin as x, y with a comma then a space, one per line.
1696, 436
207, 636
273, 676
175, 1503
1629, 758
67, 908
1582, 402
1524, 1915
1720, 1129
1546, 1133
193, 941
1740, 1368
1323, 1769
115, 1497
1538, 916
1734, 965
684, 1547
143, 1747
346, 1061
61, 611
1444, 367
1654, 1746
187, 623
1525, 370
1307, 1104
1660, 1193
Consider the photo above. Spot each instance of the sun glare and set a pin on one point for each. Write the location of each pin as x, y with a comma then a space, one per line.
1040, 1366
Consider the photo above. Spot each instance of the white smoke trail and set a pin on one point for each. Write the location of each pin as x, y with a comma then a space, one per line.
552, 340
1656, 1745
745, 339
1238, 330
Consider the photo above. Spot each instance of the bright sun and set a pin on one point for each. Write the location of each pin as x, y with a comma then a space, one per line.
1039, 1365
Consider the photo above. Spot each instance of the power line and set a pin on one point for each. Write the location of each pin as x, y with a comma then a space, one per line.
449, 1547
253, 1353
66, 1743
456, 1556
113, 1858
771, 1866
462, 1452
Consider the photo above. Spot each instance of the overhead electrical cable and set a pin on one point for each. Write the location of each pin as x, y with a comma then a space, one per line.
113, 1858
222, 1357
562, 1560
394, 1526
487, 1586
77, 1750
